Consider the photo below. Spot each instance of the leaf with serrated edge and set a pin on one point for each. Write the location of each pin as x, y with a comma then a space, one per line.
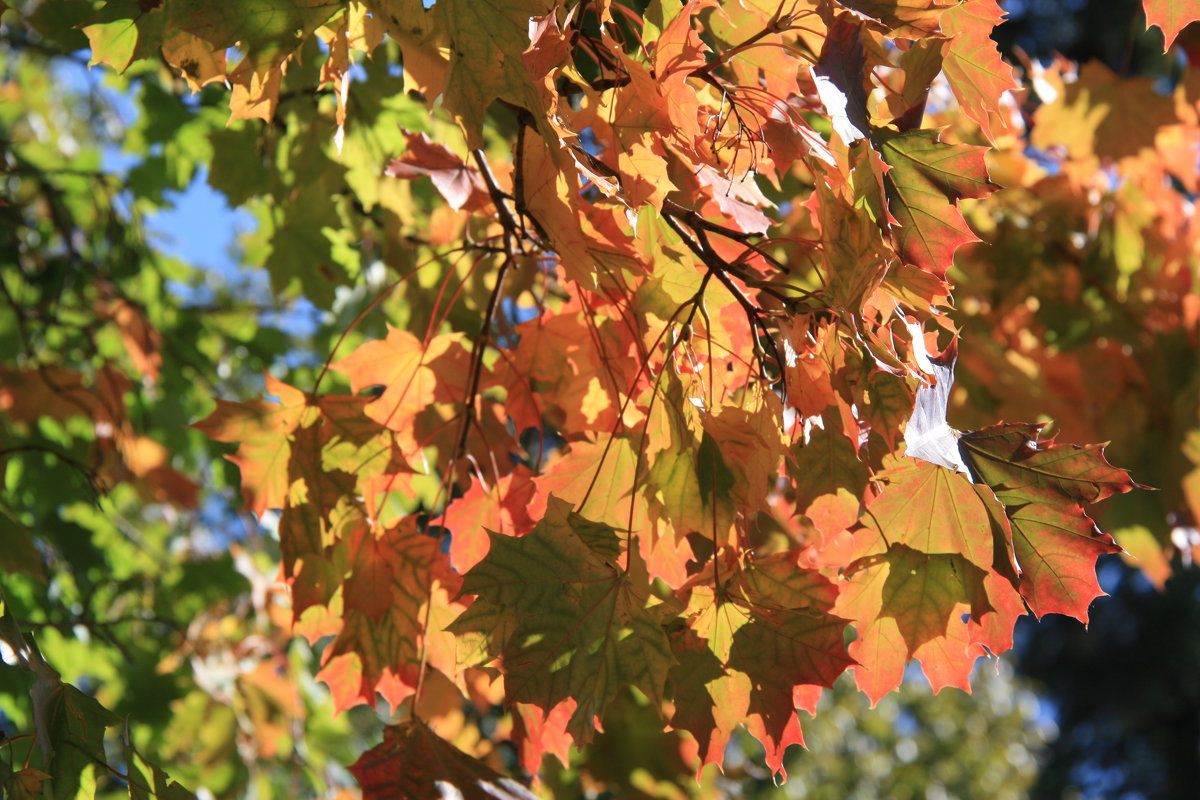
926, 180
1011, 459
262, 430
977, 73
1171, 17
578, 625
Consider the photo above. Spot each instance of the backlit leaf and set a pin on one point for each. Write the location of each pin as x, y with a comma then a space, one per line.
977, 74
578, 625
414, 762
926, 180
1171, 17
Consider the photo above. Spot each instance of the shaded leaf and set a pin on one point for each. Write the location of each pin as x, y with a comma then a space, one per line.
910, 19
487, 40
393, 581
414, 763
574, 623
923, 590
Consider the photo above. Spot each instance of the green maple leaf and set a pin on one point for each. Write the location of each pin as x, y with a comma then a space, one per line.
122, 32
695, 706
487, 38
266, 30
312, 522
76, 725
565, 619
922, 590
934, 510
748, 645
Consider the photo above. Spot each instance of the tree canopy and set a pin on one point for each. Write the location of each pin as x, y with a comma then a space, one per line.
606, 363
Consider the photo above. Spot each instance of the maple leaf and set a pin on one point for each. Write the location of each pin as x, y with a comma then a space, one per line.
689, 484
926, 180
1171, 17
879, 649
977, 74
123, 31
933, 510
414, 762
780, 649
1057, 551
932, 548
1101, 114
723, 407
919, 67
888, 406
923, 590
1041, 485
199, 62
1012, 459
565, 620
458, 183
503, 508
393, 580
583, 235
69, 724
414, 374
829, 479
487, 40
538, 733
570, 370
696, 671
57, 393
770, 626
353, 443
315, 519
854, 251
262, 430
268, 33
594, 476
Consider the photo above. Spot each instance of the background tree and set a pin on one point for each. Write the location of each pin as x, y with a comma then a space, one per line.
651, 396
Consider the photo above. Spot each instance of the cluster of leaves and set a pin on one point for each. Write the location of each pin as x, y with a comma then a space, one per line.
661, 398
1093, 321
128, 622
